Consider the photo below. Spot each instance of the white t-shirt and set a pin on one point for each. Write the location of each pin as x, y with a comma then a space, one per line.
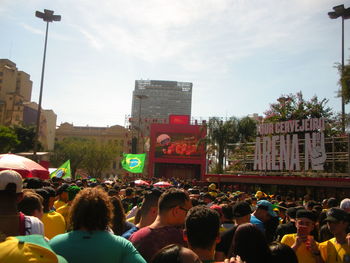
33, 225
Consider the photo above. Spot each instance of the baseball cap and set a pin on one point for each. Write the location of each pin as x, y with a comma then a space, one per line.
31, 248
266, 205
303, 213
241, 209
10, 177
336, 214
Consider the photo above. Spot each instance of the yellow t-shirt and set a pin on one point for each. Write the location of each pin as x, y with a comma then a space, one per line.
54, 224
333, 252
303, 254
58, 203
64, 211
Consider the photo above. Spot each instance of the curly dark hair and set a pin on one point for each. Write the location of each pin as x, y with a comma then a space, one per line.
91, 210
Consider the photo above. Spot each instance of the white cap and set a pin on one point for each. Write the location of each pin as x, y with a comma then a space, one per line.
8, 177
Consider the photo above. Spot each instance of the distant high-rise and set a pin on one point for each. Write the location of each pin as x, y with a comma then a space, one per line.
158, 99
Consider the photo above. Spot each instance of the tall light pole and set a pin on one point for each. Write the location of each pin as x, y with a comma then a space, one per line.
48, 17
140, 97
344, 13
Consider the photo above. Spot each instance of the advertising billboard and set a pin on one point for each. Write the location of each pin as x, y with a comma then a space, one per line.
177, 145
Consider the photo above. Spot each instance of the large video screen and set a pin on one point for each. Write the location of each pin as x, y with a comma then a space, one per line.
170, 145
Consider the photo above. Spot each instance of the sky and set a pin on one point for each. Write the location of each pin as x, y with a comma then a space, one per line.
240, 55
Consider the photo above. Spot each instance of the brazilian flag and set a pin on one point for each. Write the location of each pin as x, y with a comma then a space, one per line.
63, 171
134, 163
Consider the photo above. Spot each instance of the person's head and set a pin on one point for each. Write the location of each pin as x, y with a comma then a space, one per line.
264, 211
72, 191
345, 204
175, 254
332, 202
91, 210
149, 206
31, 205
227, 212
119, 215
250, 244
174, 203
241, 212
202, 227
337, 220
282, 253
129, 192
305, 222
10, 186
46, 198
33, 183
52, 193
62, 192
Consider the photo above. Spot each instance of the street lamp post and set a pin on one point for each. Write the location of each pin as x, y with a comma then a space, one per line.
140, 97
344, 13
48, 17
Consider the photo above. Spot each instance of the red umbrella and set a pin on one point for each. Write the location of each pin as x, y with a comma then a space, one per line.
163, 184
24, 166
141, 182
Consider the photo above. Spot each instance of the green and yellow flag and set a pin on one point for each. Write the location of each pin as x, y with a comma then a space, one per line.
63, 171
134, 162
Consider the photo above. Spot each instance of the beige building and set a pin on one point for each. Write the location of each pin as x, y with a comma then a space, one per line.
16, 107
117, 135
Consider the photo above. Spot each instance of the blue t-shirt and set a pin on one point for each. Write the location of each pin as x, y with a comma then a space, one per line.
131, 231
95, 246
258, 223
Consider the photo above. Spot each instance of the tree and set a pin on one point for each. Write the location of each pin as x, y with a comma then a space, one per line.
344, 82
8, 139
219, 135
247, 129
26, 137
98, 157
295, 107
71, 148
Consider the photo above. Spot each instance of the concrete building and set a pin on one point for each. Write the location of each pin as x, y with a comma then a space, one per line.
155, 100
16, 107
117, 135
47, 128
152, 102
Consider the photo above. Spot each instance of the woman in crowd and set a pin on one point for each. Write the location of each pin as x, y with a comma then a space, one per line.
91, 216
250, 244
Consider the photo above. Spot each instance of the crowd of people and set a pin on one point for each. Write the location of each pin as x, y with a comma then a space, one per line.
85, 220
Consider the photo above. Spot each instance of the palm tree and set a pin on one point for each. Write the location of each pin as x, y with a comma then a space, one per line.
220, 134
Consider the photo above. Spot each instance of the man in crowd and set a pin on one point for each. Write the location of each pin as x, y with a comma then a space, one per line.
263, 213
336, 249
53, 221
62, 196
148, 212
289, 227
13, 223
167, 228
241, 215
303, 244
202, 232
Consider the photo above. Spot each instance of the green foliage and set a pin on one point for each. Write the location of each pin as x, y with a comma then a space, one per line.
71, 148
84, 153
344, 82
220, 134
26, 137
8, 139
98, 157
295, 107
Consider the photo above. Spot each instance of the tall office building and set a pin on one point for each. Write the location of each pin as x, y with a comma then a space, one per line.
157, 99
152, 102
